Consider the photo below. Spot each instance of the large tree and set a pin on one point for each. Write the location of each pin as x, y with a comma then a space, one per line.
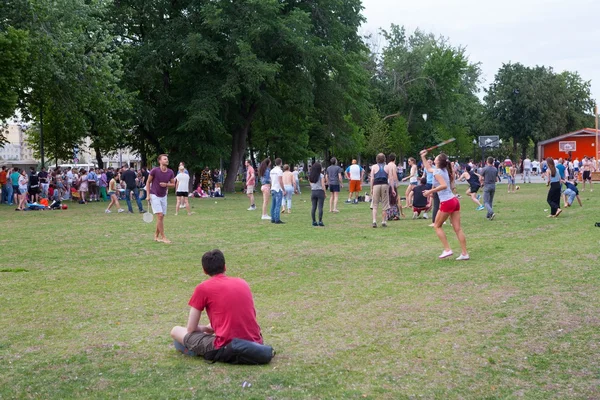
527, 104
421, 74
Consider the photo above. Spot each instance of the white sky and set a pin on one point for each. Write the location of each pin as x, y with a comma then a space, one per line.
560, 34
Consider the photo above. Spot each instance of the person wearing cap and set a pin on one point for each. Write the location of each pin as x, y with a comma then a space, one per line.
355, 174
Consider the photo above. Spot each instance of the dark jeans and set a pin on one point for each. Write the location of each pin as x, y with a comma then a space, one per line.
436, 206
5, 198
318, 198
136, 194
554, 197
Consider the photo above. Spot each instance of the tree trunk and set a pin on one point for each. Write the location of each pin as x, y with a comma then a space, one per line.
250, 149
99, 157
514, 151
238, 146
524, 152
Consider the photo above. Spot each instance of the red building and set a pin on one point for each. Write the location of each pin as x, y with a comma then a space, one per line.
575, 145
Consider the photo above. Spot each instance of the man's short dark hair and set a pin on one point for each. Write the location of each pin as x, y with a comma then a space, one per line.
490, 160
333, 161
392, 157
161, 156
424, 180
213, 262
278, 162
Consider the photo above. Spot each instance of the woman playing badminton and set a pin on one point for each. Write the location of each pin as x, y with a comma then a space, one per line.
443, 178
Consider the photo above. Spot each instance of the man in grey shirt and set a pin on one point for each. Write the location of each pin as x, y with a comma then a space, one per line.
488, 181
333, 178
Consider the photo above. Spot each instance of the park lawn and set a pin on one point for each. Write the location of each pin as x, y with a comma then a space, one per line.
88, 300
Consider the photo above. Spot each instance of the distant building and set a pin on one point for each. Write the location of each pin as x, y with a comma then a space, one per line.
17, 148
570, 145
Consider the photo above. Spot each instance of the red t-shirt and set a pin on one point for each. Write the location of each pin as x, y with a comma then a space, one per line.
230, 308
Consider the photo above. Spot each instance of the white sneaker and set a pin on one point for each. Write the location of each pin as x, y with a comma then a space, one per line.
266, 217
425, 216
121, 210
445, 254
107, 211
251, 208
462, 257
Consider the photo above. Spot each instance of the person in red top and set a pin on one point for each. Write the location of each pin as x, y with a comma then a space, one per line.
229, 305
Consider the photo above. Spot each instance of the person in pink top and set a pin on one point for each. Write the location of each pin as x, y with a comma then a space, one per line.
230, 308
159, 181
250, 183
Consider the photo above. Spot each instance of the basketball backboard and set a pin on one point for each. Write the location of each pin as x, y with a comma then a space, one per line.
489, 141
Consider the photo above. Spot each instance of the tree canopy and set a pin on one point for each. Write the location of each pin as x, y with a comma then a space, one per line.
210, 81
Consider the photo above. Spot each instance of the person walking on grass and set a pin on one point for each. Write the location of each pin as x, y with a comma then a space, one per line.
182, 187
334, 179
413, 179
317, 195
512, 178
473, 179
380, 189
23, 183
289, 184
355, 174
527, 167
250, 183
586, 164
113, 194
130, 178
488, 181
554, 182
277, 192
395, 202
296, 174
159, 181
449, 204
264, 171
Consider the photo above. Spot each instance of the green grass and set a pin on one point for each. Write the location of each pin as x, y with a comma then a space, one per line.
88, 300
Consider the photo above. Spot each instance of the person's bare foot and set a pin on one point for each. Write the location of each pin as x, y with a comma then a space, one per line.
558, 212
165, 241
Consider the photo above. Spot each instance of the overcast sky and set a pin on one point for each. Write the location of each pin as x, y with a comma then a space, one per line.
561, 34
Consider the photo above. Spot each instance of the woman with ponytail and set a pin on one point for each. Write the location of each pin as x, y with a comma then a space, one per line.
449, 205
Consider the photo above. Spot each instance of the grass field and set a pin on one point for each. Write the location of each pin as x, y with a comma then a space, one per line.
88, 300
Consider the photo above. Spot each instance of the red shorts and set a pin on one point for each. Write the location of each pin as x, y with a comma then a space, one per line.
450, 206
355, 186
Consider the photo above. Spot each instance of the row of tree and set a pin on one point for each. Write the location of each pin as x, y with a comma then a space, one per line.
207, 80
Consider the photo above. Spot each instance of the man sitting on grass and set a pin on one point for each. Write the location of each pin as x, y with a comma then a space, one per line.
230, 308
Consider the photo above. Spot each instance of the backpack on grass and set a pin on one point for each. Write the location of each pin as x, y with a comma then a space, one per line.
240, 351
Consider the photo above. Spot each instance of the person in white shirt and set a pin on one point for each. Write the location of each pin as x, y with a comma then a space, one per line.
527, 170
535, 167
355, 174
277, 192
576, 164
182, 187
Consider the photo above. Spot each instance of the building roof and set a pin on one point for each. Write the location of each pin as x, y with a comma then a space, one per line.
582, 132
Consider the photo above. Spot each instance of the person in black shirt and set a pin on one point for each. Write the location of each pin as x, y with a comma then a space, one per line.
110, 174
34, 185
130, 178
43, 176
420, 203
